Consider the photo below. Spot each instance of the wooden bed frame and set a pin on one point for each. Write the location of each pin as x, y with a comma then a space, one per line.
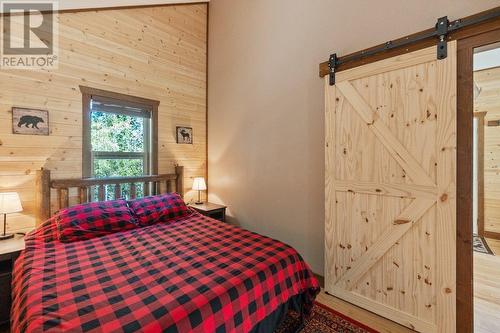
153, 185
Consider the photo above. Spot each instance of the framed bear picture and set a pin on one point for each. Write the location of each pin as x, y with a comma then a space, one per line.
30, 121
184, 135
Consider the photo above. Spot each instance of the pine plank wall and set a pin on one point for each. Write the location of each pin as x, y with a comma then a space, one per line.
488, 101
152, 52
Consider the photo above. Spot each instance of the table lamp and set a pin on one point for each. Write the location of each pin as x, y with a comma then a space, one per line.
199, 185
9, 203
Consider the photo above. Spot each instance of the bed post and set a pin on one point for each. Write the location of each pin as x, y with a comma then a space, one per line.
179, 182
42, 196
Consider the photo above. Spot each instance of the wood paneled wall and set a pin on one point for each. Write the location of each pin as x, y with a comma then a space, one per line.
488, 101
152, 52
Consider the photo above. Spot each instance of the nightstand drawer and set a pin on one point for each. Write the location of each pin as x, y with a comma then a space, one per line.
5, 295
217, 215
9, 252
6, 266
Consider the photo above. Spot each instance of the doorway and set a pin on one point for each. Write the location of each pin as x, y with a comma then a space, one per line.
486, 187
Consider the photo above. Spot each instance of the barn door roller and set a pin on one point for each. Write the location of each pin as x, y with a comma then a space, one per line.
332, 64
440, 32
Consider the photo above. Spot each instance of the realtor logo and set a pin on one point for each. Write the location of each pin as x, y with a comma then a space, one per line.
29, 39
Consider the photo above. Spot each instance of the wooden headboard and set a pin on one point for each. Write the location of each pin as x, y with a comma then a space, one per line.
153, 185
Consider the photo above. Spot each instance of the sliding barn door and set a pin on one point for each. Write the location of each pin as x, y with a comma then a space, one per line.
390, 188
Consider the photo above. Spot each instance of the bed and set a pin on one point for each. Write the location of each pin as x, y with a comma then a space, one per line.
192, 274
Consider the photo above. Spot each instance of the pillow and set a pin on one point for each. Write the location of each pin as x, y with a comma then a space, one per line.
160, 208
94, 219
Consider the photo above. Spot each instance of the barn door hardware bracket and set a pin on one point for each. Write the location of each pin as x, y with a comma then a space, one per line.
332, 64
442, 33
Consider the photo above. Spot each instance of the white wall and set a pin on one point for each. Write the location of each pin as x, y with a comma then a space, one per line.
487, 59
266, 101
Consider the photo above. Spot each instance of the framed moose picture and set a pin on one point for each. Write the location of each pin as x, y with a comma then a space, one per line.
30, 121
184, 135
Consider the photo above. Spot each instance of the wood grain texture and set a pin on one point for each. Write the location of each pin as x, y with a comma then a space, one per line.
487, 103
465, 103
157, 53
486, 292
446, 149
486, 295
385, 311
82, 188
464, 204
374, 321
384, 135
391, 64
42, 195
330, 191
400, 226
484, 309
392, 188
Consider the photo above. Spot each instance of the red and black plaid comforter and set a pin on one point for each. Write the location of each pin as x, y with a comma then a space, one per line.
192, 275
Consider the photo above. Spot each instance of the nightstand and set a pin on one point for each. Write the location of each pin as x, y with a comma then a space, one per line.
217, 212
9, 251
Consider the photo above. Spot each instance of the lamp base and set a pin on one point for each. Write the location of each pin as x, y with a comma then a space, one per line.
199, 203
6, 236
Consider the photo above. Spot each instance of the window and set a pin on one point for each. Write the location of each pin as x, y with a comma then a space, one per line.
120, 139
119, 135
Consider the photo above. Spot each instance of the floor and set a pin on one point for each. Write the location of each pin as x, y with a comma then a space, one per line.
487, 290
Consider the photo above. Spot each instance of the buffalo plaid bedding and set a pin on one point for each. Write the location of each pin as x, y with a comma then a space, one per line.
158, 208
194, 274
95, 219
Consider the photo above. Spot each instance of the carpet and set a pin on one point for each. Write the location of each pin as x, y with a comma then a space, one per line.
324, 320
480, 245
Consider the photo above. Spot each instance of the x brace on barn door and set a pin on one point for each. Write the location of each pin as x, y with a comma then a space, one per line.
442, 29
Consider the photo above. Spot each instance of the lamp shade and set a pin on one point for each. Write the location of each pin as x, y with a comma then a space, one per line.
10, 203
199, 184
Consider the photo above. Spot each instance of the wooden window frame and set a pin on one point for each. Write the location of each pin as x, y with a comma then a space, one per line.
151, 146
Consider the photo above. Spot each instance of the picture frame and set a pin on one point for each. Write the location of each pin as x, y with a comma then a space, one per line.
184, 135
27, 121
